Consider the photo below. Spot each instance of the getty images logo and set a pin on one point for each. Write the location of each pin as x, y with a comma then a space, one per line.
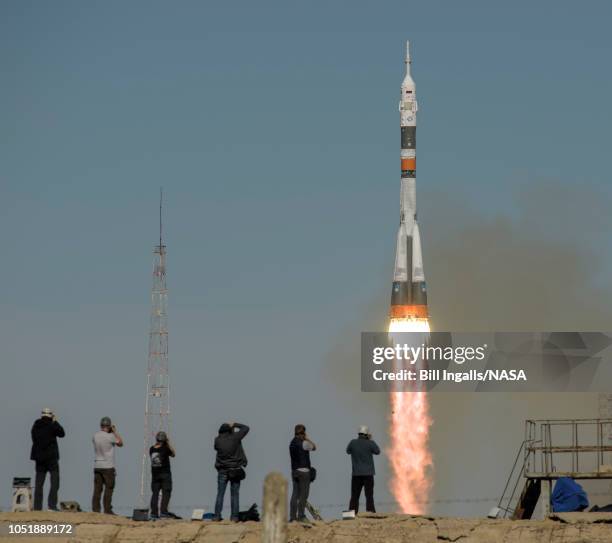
427, 353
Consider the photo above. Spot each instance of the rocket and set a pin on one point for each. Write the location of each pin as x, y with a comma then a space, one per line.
409, 292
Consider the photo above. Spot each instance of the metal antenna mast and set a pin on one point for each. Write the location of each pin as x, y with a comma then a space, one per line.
157, 401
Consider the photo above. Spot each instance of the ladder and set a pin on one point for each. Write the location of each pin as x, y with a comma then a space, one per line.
516, 475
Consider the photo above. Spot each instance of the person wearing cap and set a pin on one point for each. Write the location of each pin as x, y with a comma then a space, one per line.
45, 454
299, 451
362, 450
229, 462
104, 443
161, 476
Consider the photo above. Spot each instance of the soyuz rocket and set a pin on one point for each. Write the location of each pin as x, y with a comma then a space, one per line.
409, 292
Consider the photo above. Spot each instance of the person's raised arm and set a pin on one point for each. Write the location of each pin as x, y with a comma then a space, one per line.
119, 441
375, 447
171, 448
312, 446
58, 429
243, 429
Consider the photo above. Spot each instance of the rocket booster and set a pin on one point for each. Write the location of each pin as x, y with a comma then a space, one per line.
409, 292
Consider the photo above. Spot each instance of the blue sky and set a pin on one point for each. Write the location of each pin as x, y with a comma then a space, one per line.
273, 128
259, 115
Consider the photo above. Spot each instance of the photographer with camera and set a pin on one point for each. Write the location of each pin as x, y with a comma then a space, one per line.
301, 472
45, 453
104, 443
361, 451
161, 476
229, 463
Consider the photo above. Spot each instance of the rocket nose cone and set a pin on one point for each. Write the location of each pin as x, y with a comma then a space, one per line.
408, 83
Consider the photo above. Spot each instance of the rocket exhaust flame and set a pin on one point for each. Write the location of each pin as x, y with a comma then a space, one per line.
409, 424
409, 455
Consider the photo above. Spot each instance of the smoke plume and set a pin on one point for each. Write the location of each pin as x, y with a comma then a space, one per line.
538, 263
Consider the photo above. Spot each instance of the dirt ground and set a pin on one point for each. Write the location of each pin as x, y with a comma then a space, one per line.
94, 527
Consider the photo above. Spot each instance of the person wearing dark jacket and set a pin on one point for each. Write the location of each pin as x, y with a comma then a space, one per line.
229, 463
361, 451
299, 451
45, 454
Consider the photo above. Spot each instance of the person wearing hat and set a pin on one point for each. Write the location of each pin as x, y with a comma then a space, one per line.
45, 454
161, 476
104, 443
362, 450
229, 462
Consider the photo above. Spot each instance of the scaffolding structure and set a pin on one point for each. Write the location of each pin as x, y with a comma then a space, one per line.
575, 448
157, 400
555, 448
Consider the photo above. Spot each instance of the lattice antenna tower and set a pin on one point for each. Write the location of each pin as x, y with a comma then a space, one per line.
157, 401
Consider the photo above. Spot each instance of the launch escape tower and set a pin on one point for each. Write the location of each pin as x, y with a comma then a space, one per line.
157, 401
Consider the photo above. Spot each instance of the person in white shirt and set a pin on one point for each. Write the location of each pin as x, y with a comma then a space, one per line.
104, 443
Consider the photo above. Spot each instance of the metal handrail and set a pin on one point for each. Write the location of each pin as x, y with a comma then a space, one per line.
540, 459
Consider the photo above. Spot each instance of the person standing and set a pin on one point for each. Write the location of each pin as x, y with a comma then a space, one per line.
104, 443
361, 451
299, 451
45, 454
161, 476
229, 463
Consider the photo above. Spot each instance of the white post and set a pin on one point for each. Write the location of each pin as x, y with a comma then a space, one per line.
274, 509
